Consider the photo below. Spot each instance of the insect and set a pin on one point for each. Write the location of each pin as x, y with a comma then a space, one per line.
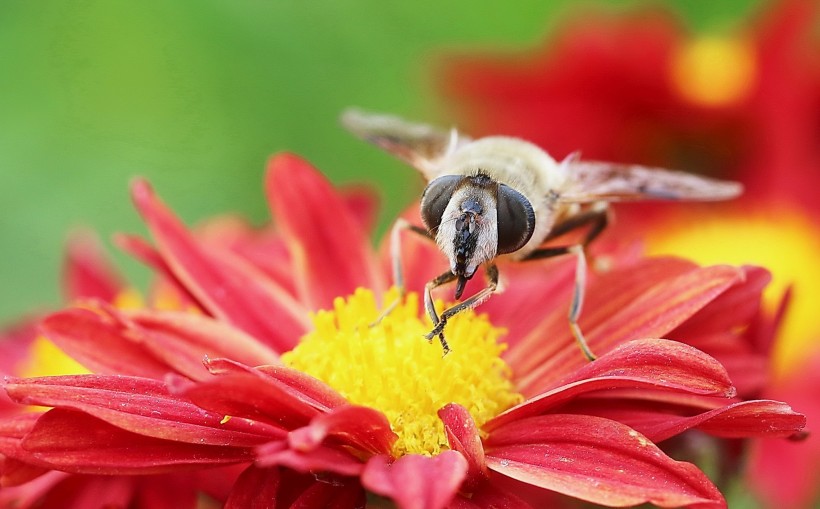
500, 196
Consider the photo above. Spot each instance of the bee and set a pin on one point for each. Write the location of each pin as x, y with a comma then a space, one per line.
503, 197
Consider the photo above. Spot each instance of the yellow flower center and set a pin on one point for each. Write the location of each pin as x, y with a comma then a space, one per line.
714, 71
390, 367
783, 241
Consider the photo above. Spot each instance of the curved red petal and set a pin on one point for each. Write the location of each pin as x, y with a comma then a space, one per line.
78, 443
463, 437
597, 460
653, 313
756, 418
142, 251
305, 388
490, 496
319, 459
605, 295
646, 364
225, 285
139, 405
331, 252
361, 428
660, 420
82, 332
332, 494
182, 339
310, 389
416, 482
277, 488
735, 307
262, 247
87, 272
290, 401
30, 494
256, 488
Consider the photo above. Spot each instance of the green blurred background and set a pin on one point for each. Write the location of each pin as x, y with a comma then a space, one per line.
195, 95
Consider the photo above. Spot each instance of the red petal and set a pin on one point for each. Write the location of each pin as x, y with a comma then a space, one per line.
647, 364
531, 290
30, 495
182, 339
91, 491
312, 390
605, 295
607, 323
274, 488
490, 496
332, 494
463, 437
139, 405
363, 203
144, 252
169, 491
87, 273
227, 287
596, 460
256, 488
658, 422
17, 466
262, 247
331, 252
319, 459
76, 442
757, 418
416, 482
255, 396
361, 428
302, 386
97, 339
735, 307
420, 257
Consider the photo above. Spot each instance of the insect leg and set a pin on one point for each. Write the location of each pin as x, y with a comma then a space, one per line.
599, 219
475, 300
431, 308
597, 216
400, 225
578, 289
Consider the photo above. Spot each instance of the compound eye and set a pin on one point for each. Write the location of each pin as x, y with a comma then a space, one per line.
435, 199
516, 219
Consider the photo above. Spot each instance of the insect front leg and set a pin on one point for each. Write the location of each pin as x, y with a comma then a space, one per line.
399, 226
443, 279
439, 322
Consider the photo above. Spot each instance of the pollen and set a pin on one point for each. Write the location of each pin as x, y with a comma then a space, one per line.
389, 366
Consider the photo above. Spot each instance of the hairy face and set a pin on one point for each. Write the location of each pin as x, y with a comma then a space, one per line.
468, 231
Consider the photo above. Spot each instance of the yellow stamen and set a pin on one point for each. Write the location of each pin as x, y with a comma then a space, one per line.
714, 71
392, 368
782, 241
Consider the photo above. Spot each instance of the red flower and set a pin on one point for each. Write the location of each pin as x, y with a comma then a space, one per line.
421, 430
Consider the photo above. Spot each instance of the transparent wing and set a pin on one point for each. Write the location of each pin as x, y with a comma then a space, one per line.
420, 145
590, 181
